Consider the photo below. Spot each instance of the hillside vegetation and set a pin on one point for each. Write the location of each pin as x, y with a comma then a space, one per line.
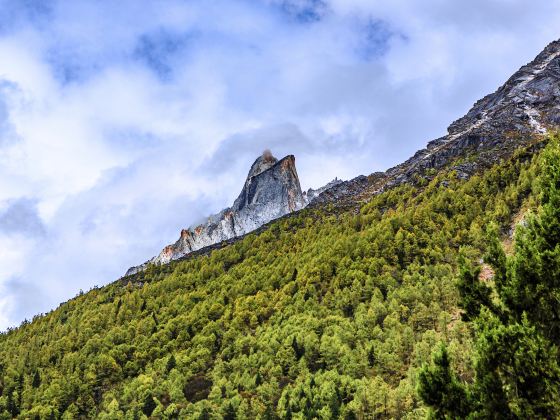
515, 318
326, 314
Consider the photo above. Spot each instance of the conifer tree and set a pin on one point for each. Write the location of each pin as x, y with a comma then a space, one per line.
440, 388
229, 413
149, 405
171, 363
36, 379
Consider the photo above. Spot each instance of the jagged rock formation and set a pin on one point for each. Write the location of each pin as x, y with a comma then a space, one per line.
272, 189
311, 194
526, 106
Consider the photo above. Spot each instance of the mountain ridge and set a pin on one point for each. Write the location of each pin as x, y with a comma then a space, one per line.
328, 312
271, 190
525, 106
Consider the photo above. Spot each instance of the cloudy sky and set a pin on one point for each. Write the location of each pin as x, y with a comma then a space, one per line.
123, 121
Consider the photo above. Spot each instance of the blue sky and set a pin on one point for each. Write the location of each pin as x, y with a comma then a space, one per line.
122, 122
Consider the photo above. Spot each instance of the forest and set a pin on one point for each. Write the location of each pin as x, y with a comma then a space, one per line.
396, 309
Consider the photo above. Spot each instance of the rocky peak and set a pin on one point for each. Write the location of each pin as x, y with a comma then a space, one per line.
526, 106
261, 164
527, 102
269, 180
271, 190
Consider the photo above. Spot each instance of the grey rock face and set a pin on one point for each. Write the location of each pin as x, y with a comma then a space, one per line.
311, 194
272, 189
528, 102
526, 106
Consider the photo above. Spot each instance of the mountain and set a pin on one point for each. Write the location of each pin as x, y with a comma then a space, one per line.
527, 104
332, 307
271, 190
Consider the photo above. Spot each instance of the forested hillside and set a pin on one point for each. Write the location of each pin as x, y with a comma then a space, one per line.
513, 311
328, 313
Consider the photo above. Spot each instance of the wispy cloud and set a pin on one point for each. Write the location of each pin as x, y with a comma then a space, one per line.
121, 122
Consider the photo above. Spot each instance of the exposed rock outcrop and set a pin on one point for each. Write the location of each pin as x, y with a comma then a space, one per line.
526, 106
311, 194
271, 190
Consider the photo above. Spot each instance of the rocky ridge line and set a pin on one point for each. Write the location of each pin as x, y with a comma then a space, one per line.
271, 190
525, 107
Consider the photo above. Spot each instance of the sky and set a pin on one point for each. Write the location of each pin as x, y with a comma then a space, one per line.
123, 122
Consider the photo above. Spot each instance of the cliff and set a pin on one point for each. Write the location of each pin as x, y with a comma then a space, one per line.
271, 190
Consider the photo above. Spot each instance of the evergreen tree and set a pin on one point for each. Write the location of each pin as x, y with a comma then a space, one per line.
229, 413
475, 294
171, 363
36, 380
204, 414
12, 406
298, 351
258, 379
439, 387
371, 356
269, 413
149, 405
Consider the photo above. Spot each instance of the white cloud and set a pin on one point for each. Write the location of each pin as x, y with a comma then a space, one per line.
122, 123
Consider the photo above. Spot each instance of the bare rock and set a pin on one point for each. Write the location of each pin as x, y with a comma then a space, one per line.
271, 190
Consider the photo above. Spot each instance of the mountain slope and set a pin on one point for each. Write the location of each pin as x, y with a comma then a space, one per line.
320, 315
528, 104
326, 313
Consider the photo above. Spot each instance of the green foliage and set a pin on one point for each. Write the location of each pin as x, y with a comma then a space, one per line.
515, 318
171, 363
149, 405
36, 380
439, 387
326, 314
474, 293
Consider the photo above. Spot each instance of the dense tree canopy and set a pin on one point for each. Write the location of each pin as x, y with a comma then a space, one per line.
515, 316
327, 314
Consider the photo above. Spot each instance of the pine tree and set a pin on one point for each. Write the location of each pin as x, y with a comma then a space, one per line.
36, 380
334, 404
258, 379
371, 356
171, 363
149, 405
269, 413
230, 413
12, 405
475, 294
204, 414
288, 415
298, 351
439, 387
